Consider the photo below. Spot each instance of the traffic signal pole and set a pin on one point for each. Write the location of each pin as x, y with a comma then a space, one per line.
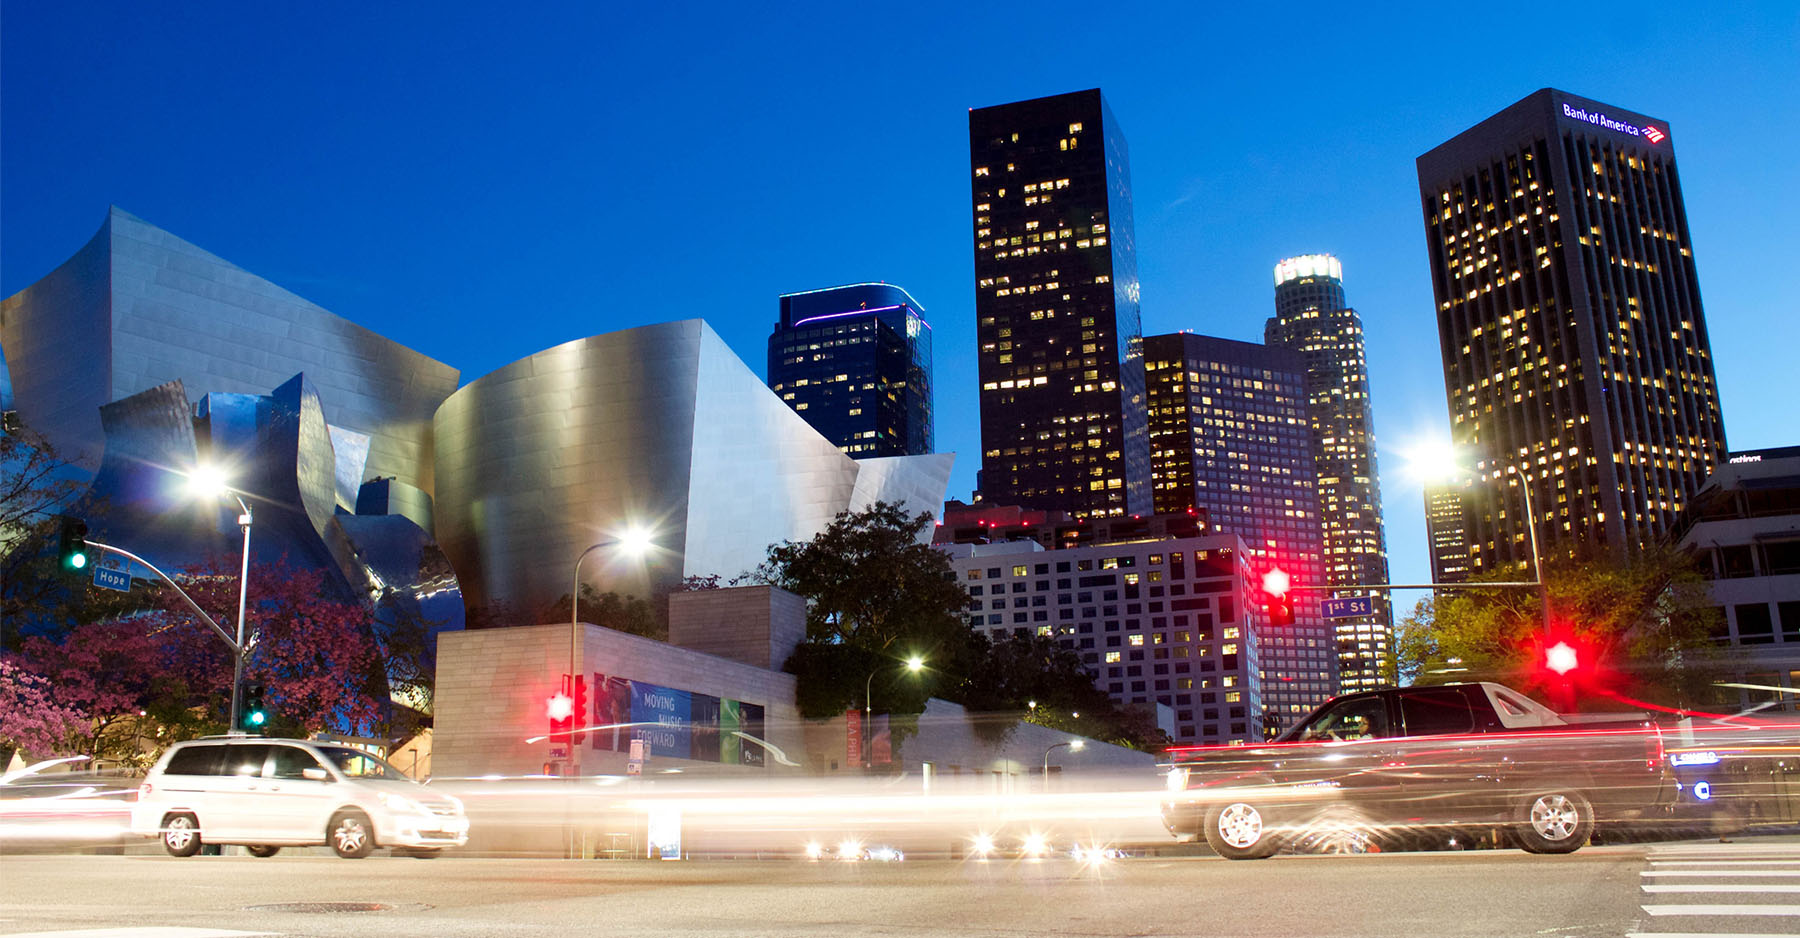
236, 645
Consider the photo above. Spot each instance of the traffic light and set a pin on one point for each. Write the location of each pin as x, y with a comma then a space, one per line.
579, 711
1276, 601
253, 716
1561, 658
72, 553
560, 708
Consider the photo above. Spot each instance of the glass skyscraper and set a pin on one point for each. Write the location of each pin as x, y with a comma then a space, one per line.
1230, 437
855, 361
1056, 306
1313, 319
1574, 345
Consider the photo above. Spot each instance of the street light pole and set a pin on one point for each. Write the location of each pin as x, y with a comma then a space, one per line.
637, 542
1537, 563
575, 643
915, 664
1074, 745
238, 653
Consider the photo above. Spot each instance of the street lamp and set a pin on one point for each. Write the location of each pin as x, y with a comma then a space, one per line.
636, 543
209, 481
1444, 463
914, 664
1075, 745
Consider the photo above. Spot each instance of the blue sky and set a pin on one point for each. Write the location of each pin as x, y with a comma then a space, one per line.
482, 181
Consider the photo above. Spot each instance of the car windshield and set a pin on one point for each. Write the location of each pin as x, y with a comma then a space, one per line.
356, 763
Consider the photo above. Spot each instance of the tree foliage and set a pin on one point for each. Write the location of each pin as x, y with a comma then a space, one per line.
37, 485
1644, 626
1047, 684
33, 721
870, 582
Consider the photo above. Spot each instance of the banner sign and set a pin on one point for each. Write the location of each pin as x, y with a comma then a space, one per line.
673, 722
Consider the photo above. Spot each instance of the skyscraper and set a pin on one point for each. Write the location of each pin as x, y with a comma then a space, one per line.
1056, 306
1313, 318
1230, 436
855, 361
1574, 345
1447, 529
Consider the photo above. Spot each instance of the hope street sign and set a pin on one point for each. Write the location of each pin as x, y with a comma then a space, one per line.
1347, 607
112, 579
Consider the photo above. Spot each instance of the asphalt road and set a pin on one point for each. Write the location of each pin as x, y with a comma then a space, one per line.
1749, 887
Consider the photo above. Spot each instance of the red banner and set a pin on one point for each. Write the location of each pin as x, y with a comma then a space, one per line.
853, 741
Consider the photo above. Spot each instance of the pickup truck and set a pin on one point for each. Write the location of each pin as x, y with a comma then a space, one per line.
1407, 760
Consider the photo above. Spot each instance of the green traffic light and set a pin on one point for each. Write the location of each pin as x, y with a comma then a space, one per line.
258, 718
77, 561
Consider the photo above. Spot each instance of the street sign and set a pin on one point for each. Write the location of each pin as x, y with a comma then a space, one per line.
112, 579
1347, 607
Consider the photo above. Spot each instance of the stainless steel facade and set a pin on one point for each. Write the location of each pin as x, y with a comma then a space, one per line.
660, 427
138, 307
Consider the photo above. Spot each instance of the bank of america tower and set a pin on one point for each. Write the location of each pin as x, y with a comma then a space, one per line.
1574, 347
1056, 304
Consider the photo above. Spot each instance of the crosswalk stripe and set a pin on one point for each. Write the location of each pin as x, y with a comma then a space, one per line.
1698, 909
1724, 862
1699, 934
1751, 873
1719, 887
141, 931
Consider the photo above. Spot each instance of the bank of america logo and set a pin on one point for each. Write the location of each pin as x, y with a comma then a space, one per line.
1655, 135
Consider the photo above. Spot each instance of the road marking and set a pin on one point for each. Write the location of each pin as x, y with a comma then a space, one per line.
1720, 873
1726, 862
150, 931
1699, 934
1793, 910
1719, 887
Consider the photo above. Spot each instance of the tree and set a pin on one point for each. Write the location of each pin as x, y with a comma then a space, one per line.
1644, 625
33, 721
36, 486
870, 582
1039, 681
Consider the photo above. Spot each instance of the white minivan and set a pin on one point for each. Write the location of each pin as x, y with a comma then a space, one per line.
266, 794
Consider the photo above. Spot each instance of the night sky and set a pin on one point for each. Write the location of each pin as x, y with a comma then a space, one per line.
481, 182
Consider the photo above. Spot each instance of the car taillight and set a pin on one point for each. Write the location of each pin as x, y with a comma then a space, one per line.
1653, 755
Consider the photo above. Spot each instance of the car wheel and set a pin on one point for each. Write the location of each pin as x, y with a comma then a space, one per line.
257, 851
181, 835
351, 835
1240, 830
1554, 820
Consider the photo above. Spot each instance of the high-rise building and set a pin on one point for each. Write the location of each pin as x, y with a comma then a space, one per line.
1230, 437
1159, 624
1313, 318
1448, 532
1056, 306
1574, 344
855, 361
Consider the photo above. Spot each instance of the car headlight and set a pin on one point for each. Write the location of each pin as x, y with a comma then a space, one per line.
400, 804
1177, 779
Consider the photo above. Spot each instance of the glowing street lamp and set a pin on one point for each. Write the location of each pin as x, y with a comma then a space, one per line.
1442, 463
1074, 745
209, 481
914, 664
635, 543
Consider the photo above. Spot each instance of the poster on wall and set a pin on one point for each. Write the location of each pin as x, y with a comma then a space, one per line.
662, 718
676, 723
612, 710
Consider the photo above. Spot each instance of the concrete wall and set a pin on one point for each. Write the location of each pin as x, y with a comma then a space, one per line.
493, 683
757, 625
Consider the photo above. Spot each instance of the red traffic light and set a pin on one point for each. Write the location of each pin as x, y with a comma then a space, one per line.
560, 707
1275, 582
579, 711
1561, 658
